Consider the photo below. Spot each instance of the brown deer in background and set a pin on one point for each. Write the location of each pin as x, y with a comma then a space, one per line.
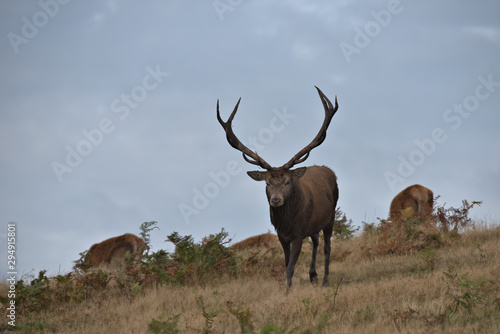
302, 201
265, 240
113, 249
416, 197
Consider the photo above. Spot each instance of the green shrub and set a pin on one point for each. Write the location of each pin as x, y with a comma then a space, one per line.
343, 229
199, 263
466, 293
168, 326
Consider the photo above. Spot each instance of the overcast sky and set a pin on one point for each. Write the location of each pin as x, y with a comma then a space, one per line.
108, 112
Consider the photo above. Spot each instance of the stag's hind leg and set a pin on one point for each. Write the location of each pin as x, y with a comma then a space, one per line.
313, 275
327, 233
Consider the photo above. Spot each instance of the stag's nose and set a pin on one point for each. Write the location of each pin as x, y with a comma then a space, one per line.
276, 201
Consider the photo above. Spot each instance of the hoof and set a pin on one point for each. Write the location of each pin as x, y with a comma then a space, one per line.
313, 277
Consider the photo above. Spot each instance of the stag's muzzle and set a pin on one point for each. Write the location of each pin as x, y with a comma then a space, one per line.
276, 202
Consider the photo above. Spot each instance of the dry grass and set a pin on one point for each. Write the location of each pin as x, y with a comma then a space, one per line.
371, 294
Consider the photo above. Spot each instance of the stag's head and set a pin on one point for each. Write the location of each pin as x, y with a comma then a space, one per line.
280, 181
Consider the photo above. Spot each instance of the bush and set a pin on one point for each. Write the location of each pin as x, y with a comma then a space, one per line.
35, 296
466, 293
454, 219
198, 263
414, 232
342, 228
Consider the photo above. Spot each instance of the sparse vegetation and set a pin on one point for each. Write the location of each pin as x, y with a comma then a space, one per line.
433, 280
454, 219
412, 232
466, 293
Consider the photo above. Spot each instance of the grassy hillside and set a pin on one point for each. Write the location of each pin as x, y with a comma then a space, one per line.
446, 286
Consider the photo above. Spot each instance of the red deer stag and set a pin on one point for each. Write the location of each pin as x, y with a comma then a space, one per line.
113, 249
302, 201
417, 197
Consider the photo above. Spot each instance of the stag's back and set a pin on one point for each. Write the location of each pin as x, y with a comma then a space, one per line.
114, 248
319, 184
266, 240
321, 180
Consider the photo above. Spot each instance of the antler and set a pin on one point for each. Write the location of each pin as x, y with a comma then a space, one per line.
248, 155
320, 137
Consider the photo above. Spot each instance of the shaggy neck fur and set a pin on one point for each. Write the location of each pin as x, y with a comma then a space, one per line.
284, 216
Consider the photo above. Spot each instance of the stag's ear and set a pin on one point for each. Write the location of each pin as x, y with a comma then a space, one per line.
299, 172
258, 176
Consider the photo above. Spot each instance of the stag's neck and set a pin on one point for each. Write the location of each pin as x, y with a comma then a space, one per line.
286, 216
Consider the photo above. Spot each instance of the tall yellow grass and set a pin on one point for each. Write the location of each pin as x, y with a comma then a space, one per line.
369, 294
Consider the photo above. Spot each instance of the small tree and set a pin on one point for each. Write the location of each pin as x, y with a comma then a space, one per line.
343, 229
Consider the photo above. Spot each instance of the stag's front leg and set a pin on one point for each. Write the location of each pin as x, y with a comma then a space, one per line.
294, 256
313, 276
286, 250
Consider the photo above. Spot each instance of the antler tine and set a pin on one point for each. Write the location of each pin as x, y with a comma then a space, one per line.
320, 137
248, 155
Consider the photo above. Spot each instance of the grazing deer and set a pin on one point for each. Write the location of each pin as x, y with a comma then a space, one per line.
113, 249
302, 201
416, 197
266, 240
